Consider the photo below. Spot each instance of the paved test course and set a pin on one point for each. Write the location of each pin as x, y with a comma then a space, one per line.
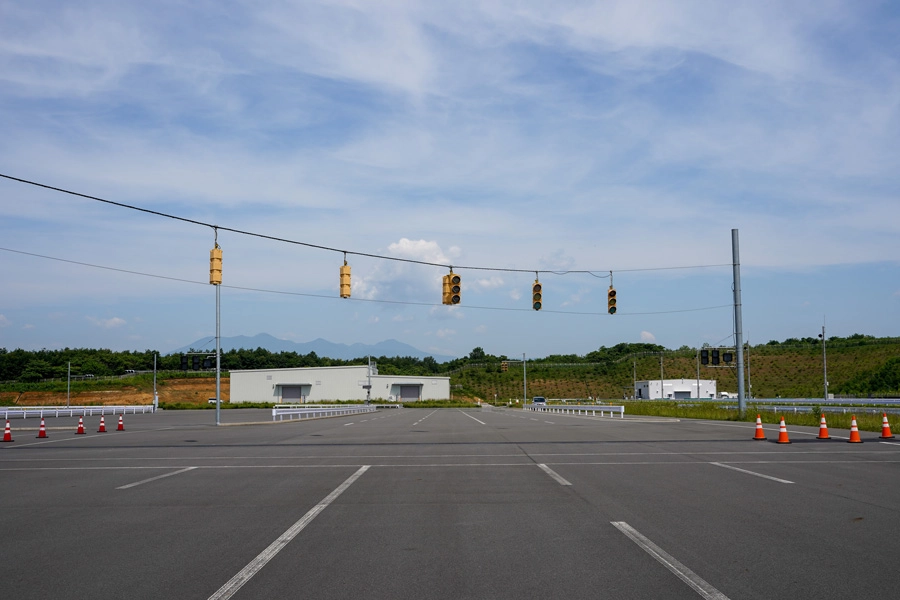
445, 504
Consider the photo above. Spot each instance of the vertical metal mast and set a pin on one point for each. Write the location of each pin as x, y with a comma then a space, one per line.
738, 322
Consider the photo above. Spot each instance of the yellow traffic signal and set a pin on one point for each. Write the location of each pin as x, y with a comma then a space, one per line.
611, 300
445, 292
504, 366
345, 280
455, 288
215, 266
536, 302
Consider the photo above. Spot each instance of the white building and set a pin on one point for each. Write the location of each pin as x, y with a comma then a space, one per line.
321, 384
674, 389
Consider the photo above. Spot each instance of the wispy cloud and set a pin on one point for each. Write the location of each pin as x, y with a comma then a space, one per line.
106, 323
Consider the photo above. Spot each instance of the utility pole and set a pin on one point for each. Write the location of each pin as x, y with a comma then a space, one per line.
738, 321
824, 360
524, 383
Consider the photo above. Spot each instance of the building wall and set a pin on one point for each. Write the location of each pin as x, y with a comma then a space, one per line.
319, 384
674, 389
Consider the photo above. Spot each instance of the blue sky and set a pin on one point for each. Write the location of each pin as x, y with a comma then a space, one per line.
628, 136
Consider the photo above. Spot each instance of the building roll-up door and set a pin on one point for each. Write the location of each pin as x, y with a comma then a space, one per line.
409, 392
292, 394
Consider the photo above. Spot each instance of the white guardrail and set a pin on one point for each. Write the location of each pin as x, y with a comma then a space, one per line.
580, 410
313, 412
39, 412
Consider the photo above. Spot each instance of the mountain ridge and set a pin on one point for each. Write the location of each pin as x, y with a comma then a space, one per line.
320, 346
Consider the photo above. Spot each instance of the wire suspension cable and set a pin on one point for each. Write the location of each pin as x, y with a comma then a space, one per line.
330, 249
329, 297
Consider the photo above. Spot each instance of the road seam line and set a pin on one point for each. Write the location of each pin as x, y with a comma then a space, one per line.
137, 483
559, 478
751, 473
244, 575
697, 583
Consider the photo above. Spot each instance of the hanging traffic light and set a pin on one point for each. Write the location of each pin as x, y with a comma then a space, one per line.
445, 289
611, 300
504, 366
704, 357
215, 266
184, 362
345, 280
455, 288
195, 362
715, 357
727, 357
536, 302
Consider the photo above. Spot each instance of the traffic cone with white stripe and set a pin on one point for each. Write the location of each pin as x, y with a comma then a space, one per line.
854, 432
7, 435
121, 426
782, 433
760, 434
885, 429
102, 425
80, 426
823, 430
42, 431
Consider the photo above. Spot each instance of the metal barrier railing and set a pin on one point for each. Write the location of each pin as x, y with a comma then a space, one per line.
38, 412
580, 410
315, 412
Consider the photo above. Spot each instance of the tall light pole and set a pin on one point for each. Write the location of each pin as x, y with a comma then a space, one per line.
524, 383
824, 362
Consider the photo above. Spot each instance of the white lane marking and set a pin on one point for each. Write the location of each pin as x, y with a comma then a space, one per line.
346, 424
891, 443
236, 582
534, 419
471, 417
551, 422
751, 473
696, 583
559, 478
137, 483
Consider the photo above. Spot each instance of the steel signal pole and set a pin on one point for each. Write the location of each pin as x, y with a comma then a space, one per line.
738, 321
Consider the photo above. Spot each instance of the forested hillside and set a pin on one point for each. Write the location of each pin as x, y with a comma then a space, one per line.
858, 365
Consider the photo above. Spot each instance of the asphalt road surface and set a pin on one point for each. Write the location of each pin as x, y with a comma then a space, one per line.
444, 504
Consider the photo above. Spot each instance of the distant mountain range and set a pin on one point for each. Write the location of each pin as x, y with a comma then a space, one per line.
321, 347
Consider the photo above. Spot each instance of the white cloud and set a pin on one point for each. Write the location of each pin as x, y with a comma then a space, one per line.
4, 322
106, 323
648, 337
444, 333
481, 329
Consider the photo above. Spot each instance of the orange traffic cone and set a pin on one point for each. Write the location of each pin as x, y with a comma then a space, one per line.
854, 431
102, 425
782, 433
760, 434
885, 429
121, 426
7, 435
42, 432
80, 426
823, 430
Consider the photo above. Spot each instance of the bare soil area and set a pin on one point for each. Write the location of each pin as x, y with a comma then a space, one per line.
193, 390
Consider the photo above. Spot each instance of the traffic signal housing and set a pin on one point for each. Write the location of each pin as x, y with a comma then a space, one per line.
345, 280
715, 357
704, 357
452, 288
536, 295
195, 362
611, 300
215, 266
504, 366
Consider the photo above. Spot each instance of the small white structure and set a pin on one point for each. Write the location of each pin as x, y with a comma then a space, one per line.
320, 384
674, 389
